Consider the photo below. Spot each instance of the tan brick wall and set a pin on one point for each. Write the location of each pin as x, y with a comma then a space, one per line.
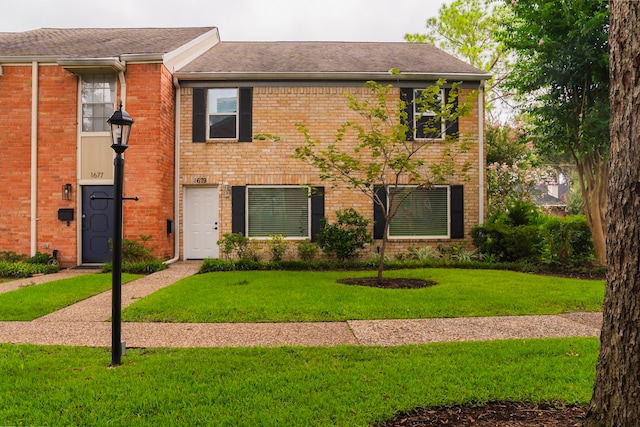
277, 110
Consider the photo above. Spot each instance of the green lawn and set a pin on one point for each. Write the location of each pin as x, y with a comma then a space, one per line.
285, 386
34, 301
287, 296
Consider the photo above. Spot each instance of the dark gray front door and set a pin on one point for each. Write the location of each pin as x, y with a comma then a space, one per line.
97, 223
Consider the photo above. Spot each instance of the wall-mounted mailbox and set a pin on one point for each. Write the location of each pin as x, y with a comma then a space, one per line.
66, 214
170, 226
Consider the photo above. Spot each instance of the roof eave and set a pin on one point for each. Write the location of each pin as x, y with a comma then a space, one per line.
85, 65
359, 76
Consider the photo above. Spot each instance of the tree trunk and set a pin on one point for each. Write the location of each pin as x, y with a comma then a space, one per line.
593, 184
616, 394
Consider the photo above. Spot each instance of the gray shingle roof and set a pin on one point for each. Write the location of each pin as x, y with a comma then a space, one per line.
326, 57
95, 42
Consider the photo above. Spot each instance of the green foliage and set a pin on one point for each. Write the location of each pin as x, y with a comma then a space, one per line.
568, 240
24, 269
41, 258
239, 246
10, 256
277, 246
514, 166
511, 236
524, 234
215, 264
466, 29
344, 238
426, 253
561, 74
136, 258
307, 250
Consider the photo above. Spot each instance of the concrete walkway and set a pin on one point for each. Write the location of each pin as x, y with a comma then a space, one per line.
86, 324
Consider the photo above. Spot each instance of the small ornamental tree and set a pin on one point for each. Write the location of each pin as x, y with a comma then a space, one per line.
383, 155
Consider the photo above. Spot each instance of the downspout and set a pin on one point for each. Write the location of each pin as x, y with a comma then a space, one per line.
123, 89
176, 184
481, 165
34, 157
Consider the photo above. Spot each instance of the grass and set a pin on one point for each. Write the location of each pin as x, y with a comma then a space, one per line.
31, 302
288, 296
296, 386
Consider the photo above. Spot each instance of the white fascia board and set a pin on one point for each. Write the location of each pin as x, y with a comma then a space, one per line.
329, 76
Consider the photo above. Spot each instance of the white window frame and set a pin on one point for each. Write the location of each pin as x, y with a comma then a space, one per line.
109, 105
448, 207
296, 187
417, 115
223, 113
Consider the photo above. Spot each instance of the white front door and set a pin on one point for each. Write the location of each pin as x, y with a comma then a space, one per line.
201, 222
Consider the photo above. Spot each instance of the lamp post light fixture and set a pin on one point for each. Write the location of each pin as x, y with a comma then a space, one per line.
120, 122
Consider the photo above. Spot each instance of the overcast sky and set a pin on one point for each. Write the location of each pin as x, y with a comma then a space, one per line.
259, 20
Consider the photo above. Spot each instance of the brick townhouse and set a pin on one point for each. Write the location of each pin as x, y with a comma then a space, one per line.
193, 161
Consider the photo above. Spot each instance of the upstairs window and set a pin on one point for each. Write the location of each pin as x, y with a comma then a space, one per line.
98, 101
422, 121
223, 113
426, 124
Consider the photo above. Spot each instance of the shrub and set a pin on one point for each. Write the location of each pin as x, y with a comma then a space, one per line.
40, 258
346, 236
426, 253
215, 264
511, 236
277, 246
307, 251
23, 269
136, 258
568, 240
240, 245
9, 256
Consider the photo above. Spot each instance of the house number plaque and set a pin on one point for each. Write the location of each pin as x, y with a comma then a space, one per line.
200, 180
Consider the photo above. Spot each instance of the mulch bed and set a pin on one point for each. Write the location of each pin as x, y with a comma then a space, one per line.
389, 283
502, 414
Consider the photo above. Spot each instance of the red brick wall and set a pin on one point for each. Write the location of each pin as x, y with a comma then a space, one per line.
57, 165
15, 178
149, 160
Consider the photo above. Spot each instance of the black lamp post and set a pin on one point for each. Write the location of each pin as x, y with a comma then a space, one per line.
120, 122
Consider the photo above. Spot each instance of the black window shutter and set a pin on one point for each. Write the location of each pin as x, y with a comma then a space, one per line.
238, 198
199, 119
457, 212
378, 212
245, 132
317, 211
406, 95
451, 126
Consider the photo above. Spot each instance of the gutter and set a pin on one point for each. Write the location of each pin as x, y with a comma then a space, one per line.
176, 184
377, 76
34, 158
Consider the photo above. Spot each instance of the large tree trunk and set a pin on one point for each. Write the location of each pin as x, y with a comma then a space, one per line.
616, 394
